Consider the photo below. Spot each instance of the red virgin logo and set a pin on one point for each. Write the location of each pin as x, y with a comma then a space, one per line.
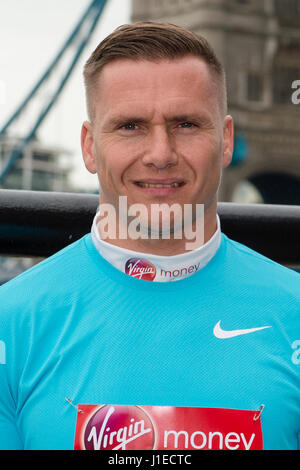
140, 268
130, 427
119, 428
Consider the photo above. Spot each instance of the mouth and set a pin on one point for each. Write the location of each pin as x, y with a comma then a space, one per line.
167, 184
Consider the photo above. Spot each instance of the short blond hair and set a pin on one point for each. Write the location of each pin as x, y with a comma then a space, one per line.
151, 41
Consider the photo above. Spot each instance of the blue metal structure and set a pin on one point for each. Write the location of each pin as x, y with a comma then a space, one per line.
81, 34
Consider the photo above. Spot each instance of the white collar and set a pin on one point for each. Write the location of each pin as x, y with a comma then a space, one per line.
154, 267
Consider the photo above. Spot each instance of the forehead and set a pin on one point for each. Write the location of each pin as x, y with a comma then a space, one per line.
182, 82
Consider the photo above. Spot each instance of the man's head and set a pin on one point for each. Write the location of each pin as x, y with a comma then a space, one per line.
154, 42
158, 132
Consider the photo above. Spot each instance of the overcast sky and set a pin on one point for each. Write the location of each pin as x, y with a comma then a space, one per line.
31, 33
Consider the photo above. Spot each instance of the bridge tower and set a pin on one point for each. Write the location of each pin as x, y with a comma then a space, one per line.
258, 41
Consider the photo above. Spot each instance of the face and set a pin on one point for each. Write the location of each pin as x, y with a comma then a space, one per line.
158, 134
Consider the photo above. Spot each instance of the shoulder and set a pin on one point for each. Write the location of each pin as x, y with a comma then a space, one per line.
50, 276
263, 287
249, 262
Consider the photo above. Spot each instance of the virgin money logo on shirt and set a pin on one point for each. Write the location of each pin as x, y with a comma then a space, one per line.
119, 428
180, 271
128, 427
140, 268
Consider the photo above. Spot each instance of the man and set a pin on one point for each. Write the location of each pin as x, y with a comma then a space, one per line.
122, 341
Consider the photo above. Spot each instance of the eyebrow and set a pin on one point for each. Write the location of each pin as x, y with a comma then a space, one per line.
121, 119
186, 117
201, 119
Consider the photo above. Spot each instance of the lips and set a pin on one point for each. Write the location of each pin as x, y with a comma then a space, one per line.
170, 183
158, 185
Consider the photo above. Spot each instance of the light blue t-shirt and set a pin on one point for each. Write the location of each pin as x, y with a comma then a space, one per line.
74, 326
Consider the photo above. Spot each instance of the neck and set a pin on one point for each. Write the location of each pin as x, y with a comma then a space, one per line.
169, 246
158, 268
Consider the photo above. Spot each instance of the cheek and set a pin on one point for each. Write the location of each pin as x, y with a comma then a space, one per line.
112, 161
207, 168
206, 157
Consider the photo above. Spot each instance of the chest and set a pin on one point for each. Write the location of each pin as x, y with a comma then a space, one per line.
162, 363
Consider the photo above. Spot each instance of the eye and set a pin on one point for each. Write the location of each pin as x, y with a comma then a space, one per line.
129, 126
186, 125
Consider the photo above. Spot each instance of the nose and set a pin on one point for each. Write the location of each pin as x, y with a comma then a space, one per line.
161, 151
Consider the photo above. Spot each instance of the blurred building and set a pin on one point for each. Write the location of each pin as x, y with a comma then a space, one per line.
40, 168
12, 267
258, 41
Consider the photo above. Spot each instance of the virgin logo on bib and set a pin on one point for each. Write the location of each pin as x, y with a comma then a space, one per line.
122, 427
140, 268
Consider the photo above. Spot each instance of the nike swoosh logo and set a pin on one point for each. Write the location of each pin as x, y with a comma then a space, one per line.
224, 334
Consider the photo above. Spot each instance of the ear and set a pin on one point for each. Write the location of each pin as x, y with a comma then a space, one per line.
87, 147
228, 134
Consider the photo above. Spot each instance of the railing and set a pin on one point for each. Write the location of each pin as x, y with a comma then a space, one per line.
34, 223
